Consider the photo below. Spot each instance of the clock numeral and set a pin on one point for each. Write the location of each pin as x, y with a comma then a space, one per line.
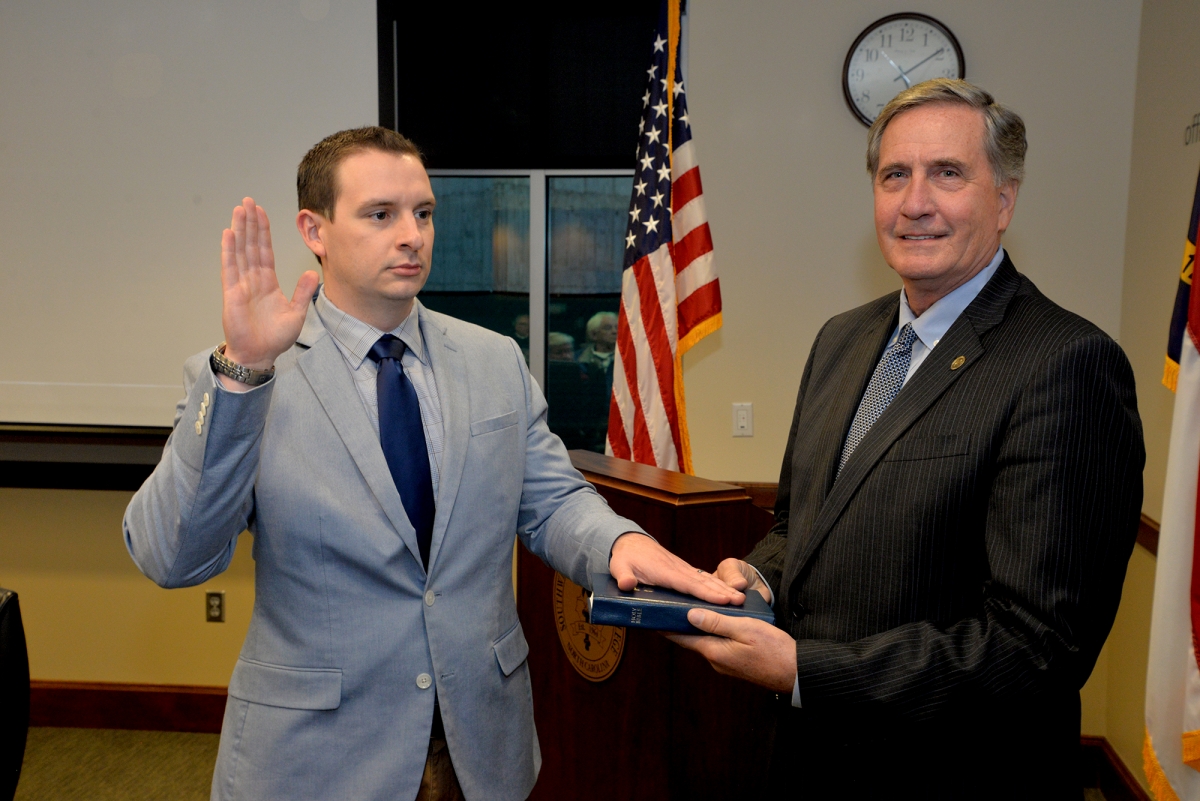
910, 47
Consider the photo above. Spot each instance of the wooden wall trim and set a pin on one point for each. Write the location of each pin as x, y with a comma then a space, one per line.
78, 457
762, 495
108, 705
1148, 534
1104, 769
47, 434
73, 475
40, 456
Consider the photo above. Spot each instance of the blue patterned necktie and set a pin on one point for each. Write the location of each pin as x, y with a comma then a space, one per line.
885, 383
402, 436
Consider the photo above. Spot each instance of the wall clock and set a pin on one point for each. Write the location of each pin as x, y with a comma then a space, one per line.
894, 53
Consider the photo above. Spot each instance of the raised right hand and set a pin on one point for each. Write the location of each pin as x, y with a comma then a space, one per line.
260, 323
741, 576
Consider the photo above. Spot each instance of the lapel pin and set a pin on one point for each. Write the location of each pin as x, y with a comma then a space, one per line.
957, 363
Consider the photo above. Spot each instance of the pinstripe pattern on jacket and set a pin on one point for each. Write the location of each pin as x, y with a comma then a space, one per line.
971, 554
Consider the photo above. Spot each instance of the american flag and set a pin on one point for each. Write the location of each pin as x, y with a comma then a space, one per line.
670, 296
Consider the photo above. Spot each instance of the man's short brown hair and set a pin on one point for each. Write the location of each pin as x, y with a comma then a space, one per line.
316, 178
1004, 135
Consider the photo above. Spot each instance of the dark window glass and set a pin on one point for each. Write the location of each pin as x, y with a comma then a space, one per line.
586, 223
533, 85
480, 269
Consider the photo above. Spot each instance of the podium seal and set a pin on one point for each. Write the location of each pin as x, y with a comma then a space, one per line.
594, 651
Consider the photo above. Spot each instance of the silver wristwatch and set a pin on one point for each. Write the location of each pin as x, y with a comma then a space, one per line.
237, 372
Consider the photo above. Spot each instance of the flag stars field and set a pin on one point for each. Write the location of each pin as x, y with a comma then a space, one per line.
670, 295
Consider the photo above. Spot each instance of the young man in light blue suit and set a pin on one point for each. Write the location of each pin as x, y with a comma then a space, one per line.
377, 665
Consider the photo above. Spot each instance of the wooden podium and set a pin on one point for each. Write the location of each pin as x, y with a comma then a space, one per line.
663, 724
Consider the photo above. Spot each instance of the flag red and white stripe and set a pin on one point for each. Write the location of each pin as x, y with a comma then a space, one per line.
670, 296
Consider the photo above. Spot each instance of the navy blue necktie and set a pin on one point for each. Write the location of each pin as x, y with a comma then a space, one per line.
403, 439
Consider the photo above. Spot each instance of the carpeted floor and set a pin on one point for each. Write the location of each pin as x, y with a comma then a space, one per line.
116, 765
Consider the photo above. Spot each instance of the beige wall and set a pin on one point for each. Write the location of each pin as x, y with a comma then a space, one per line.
91, 616
1099, 224
1125, 668
790, 202
791, 217
1162, 177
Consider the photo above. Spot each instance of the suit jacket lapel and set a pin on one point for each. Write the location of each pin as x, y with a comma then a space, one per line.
928, 383
450, 372
324, 367
854, 368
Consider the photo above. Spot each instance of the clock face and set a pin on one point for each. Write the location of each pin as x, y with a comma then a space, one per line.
894, 53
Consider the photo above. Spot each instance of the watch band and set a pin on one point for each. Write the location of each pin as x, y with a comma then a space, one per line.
237, 372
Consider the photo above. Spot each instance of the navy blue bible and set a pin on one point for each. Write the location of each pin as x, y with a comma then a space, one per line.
648, 607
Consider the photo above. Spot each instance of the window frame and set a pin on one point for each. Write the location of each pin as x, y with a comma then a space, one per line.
539, 244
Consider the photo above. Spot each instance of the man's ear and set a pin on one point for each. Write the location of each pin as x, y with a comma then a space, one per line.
311, 226
1008, 203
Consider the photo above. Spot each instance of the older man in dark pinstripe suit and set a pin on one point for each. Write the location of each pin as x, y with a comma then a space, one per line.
958, 500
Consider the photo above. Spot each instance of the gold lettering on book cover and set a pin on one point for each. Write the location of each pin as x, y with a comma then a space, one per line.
594, 651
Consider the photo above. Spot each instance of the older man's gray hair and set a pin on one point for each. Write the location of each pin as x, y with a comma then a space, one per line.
1004, 138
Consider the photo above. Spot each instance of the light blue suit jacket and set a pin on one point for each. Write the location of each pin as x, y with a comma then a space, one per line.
326, 700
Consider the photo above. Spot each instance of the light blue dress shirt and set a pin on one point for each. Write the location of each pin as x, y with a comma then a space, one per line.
354, 340
930, 327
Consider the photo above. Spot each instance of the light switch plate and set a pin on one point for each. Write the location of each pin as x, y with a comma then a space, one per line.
743, 419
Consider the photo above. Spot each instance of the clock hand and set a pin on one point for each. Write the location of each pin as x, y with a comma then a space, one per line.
897, 66
914, 66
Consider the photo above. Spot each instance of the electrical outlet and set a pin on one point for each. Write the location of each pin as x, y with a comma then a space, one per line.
214, 606
743, 419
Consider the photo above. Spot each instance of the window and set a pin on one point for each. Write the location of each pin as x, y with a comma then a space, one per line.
537, 255
527, 115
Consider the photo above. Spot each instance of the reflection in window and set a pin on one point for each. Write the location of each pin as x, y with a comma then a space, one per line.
587, 220
480, 267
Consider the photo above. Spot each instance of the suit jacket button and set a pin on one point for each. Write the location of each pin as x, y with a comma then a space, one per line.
799, 611
429, 597
424, 681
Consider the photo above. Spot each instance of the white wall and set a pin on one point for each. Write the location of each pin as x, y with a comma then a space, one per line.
130, 130
790, 203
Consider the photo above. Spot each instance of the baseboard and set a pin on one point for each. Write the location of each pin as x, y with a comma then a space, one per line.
172, 707
1103, 768
1148, 534
104, 705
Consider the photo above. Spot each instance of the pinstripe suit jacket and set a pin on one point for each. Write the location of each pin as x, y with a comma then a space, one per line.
967, 565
